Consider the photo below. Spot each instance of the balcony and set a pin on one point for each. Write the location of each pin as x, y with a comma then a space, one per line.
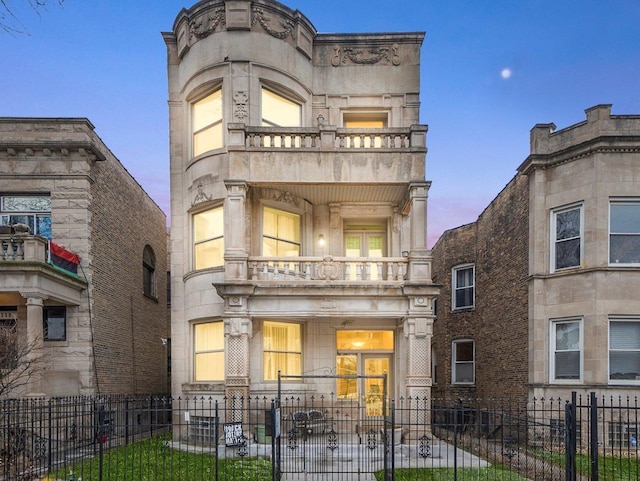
25, 266
328, 268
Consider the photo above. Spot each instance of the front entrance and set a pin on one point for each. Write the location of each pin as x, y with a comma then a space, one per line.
335, 439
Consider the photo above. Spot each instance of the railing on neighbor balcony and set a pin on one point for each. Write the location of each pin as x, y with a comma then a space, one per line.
259, 439
311, 138
14, 247
328, 268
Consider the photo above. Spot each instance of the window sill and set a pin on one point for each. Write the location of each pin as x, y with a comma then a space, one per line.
148, 296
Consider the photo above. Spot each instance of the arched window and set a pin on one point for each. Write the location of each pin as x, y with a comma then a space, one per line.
149, 272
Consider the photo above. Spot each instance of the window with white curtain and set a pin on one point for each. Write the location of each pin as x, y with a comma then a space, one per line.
207, 123
566, 350
282, 346
208, 237
463, 286
209, 351
280, 233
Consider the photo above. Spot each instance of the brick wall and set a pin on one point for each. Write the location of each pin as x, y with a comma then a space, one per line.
497, 243
128, 326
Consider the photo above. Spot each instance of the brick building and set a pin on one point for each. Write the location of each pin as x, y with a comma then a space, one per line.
85, 280
545, 281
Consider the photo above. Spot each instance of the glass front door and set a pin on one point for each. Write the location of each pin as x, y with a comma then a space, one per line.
355, 358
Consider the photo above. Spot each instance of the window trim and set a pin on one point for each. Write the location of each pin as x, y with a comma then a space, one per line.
45, 320
194, 132
149, 287
285, 95
454, 362
553, 351
194, 243
209, 351
619, 201
454, 286
264, 350
630, 382
553, 241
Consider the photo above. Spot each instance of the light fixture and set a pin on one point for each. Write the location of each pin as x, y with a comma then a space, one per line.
320, 120
357, 344
321, 239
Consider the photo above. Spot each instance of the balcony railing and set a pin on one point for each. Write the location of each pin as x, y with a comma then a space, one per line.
23, 248
328, 268
328, 137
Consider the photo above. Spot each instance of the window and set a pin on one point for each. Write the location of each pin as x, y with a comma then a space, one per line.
463, 362
55, 323
278, 111
209, 351
566, 245
208, 227
207, 123
624, 351
623, 434
31, 210
624, 232
280, 233
566, 350
463, 286
282, 344
364, 120
366, 241
149, 272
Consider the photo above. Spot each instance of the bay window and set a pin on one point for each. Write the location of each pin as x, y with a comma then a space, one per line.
209, 352
279, 111
624, 232
566, 350
208, 236
282, 346
624, 351
207, 123
566, 245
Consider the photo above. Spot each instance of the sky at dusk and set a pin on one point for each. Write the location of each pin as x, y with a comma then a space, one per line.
490, 71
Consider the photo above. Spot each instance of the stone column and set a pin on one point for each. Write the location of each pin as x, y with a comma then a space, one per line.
34, 344
238, 332
419, 262
235, 252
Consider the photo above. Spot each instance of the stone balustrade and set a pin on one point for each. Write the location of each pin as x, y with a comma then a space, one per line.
326, 138
328, 268
28, 248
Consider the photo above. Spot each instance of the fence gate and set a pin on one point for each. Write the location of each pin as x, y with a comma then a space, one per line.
333, 438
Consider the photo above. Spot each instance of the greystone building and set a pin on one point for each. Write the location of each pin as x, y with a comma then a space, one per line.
82, 262
299, 201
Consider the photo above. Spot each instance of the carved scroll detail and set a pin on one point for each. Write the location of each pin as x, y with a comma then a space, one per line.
365, 56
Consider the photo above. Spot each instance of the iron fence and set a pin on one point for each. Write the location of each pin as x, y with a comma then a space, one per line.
306, 437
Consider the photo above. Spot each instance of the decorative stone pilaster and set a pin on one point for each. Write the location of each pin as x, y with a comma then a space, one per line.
419, 260
235, 253
238, 331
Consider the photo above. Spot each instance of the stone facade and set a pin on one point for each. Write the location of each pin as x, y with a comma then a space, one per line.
338, 180
556, 262
111, 341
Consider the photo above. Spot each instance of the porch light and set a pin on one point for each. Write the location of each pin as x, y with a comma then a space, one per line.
358, 344
321, 240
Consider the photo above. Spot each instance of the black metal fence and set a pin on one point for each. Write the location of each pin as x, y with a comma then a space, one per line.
318, 437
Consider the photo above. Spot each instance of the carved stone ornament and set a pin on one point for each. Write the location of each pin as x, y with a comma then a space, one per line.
365, 56
328, 269
203, 26
286, 197
200, 196
288, 28
240, 99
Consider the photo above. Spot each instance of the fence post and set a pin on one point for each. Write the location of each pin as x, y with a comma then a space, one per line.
50, 440
570, 438
216, 431
593, 445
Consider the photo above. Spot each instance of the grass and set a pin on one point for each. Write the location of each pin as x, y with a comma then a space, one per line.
153, 460
610, 468
448, 474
